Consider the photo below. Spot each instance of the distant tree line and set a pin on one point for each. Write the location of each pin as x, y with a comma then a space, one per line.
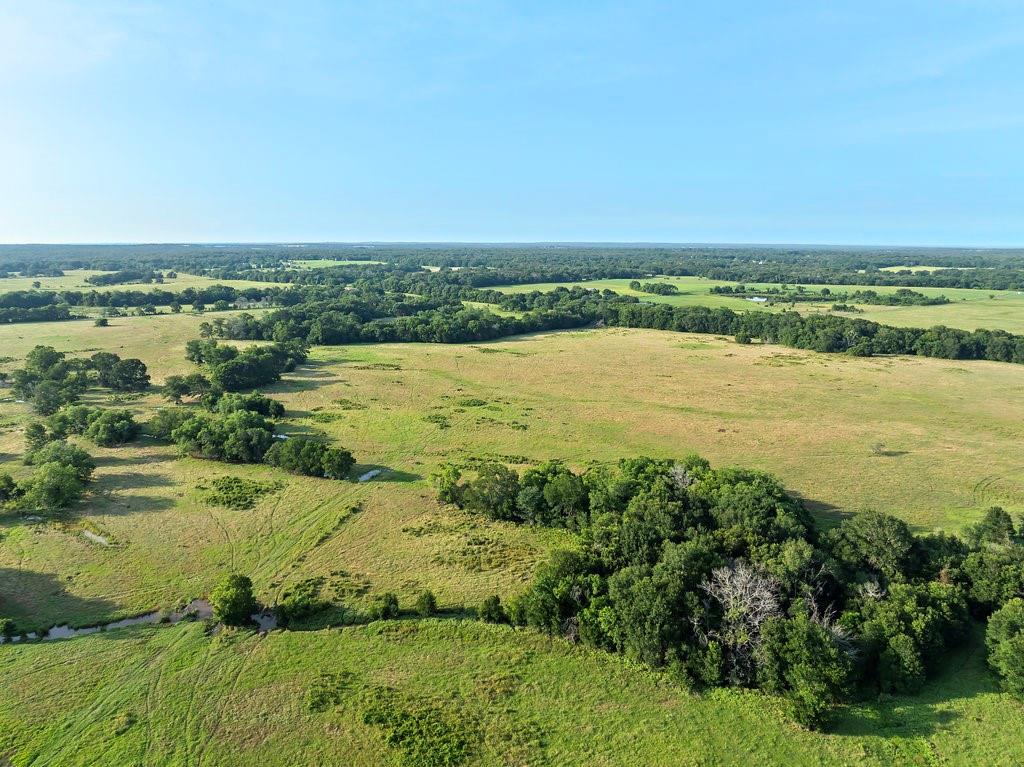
125, 275
782, 294
488, 265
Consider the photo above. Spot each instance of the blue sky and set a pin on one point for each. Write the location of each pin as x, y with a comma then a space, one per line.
800, 122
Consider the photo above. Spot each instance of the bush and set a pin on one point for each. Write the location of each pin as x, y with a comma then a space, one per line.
900, 669
7, 628
238, 493
102, 322
36, 436
385, 607
109, 428
494, 492
491, 610
166, 421
310, 457
446, 480
254, 403
73, 419
301, 601
52, 486
8, 489
241, 437
192, 385
69, 456
127, 375
426, 604
1004, 640
232, 600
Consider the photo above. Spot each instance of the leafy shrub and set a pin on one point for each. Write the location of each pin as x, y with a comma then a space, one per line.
51, 486
70, 456
491, 610
301, 601
900, 667
385, 607
108, 428
328, 690
238, 493
7, 628
1004, 640
166, 420
310, 457
426, 732
232, 600
254, 403
426, 603
240, 437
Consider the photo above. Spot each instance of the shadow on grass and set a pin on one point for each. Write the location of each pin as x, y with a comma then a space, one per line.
963, 674
132, 480
384, 474
36, 601
825, 514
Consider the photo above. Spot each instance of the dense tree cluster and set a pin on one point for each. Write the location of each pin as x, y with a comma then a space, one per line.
655, 288
310, 457
61, 474
49, 380
105, 427
237, 428
721, 576
232, 370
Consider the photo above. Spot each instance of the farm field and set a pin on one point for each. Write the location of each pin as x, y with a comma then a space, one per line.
969, 309
177, 696
74, 279
848, 434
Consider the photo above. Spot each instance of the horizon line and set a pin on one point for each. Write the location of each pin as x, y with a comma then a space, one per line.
539, 243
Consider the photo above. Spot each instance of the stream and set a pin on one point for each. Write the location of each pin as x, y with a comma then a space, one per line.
198, 609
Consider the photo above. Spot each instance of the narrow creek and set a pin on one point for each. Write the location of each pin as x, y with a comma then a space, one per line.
197, 609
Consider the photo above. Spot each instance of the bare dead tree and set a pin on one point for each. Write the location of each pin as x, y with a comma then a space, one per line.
680, 477
747, 598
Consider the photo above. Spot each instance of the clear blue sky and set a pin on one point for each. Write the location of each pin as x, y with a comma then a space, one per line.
815, 122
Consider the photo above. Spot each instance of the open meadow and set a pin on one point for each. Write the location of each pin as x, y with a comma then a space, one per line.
75, 279
931, 441
178, 696
969, 309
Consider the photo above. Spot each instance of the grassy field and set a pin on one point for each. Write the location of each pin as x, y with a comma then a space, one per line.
74, 279
933, 441
930, 440
969, 309
177, 696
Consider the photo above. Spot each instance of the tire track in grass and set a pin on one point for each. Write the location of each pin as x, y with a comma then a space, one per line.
225, 698
154, 689
227, 538
198, 679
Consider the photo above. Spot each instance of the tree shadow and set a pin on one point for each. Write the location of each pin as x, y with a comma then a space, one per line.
827, 515
132, 480
960, 673
384, 473
36, 601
